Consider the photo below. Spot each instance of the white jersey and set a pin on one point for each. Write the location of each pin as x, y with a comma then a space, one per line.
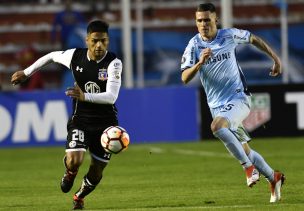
221, 76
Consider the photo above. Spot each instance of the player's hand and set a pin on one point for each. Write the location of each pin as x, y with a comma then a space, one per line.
18, 77
276, 69
75, 92
206, 53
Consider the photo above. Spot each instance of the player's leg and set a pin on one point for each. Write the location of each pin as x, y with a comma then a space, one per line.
220, 128
75, 151
275, 178
72, 161
259, 162
226, 121
99, 160
89, 182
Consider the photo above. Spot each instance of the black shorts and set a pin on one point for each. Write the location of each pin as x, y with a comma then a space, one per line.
82, 137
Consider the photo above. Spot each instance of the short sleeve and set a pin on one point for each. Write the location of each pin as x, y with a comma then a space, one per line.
240, 36
188, 58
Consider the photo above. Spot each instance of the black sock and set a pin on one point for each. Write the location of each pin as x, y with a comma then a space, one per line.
86, 188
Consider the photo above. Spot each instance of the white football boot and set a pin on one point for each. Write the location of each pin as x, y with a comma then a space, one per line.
275, 186
253, 175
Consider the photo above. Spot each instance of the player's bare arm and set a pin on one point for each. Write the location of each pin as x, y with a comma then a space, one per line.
188, 74
260, 44
18, 77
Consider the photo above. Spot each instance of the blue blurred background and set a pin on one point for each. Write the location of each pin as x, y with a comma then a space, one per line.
30, 29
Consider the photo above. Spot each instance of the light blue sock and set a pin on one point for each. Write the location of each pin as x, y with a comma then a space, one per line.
233, 145
261, 165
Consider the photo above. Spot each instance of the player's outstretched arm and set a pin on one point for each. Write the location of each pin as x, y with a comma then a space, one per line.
263, 46
18, 77
61, 57
188, 74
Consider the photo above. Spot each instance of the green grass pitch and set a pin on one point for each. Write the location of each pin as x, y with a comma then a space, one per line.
169, 176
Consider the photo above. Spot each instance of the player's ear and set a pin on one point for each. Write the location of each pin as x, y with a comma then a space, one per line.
217, 21
87, 39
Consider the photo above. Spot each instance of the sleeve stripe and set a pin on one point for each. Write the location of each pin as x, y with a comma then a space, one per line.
185, 68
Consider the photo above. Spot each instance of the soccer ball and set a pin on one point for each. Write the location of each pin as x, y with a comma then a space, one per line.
115, 139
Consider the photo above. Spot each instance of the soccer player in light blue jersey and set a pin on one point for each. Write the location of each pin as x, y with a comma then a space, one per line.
211, 52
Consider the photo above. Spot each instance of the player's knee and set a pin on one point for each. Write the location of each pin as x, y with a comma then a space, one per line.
96, 170
246, 148
218, 123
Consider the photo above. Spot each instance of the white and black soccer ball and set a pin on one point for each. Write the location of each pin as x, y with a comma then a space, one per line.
115, 139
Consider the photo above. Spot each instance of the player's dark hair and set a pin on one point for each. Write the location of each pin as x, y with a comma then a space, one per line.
97, 26
206, 7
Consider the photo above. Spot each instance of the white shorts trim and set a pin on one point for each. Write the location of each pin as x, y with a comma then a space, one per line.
76, 150
98, 158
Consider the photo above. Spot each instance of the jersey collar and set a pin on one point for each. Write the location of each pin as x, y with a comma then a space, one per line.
210, 41
97, 60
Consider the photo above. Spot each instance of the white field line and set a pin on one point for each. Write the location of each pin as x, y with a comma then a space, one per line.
202, 153
190, 152
159, 150
156, 150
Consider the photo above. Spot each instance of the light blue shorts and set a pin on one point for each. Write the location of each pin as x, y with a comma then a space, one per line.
235, 111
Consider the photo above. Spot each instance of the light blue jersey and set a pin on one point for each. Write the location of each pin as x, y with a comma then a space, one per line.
221, 76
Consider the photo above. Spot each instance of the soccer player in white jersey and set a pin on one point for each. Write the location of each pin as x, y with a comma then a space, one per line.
211, 52
97, 74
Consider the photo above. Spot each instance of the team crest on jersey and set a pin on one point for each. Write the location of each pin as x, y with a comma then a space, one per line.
102, 74
116, 74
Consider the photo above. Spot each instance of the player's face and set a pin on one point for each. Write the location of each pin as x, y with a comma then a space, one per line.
206, 24
97, 43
